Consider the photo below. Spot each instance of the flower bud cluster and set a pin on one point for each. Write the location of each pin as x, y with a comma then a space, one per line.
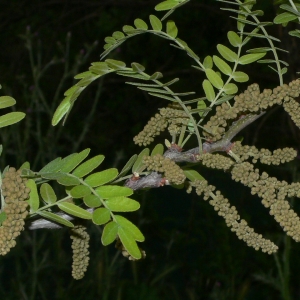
273, 193
232, 218
215, 161
14, 191
265, 156
173, 173
80, 246
252, 101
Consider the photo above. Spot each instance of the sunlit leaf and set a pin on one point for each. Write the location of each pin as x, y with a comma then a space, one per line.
55, 218
74, 210
118, 35
68, 180
102, 177
47, 193
122, 204
33, 200
137, 67
101, 216
61, 110
109, 234
115, 64
109, 191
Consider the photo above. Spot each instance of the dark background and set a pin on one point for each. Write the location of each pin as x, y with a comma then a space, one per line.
191, 254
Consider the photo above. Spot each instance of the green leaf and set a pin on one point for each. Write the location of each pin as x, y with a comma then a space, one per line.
162, 96
158, 149
52, 166
192, 175
101, 178
109, 234
74, 210
223, 99
260, 50
166, 5
222, 65
208, 90
56, 218
110, 40
140, 24
214, 78
115, 64
284, 18
172, 29
61, 110
156, 75
128, 28
240, 76
101, 216
295, 33
227, 53
118, 35
80, 191
11, 118
6, 101
208, 62
33, 200
129, 243
47, 193
84, 82
234, 39
138, 165
25, 165
249, 58
92, 201
230, 88
136, 67
73, 161
2, 217
290, 9
122, 204
130, 227
78, 76
88, 166
201, 105
68, 180
155, 23
109, 191
284, 70
128, 165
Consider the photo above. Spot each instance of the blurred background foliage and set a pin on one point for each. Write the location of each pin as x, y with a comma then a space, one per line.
191, 254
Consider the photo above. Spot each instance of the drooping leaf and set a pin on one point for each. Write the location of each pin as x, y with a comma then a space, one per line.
155, 23
234, 39
222, 65
88, 166
47, 193
240, 76
55, 218
52, 166
214, 78
227, 53
109, 234
73, 161
158, 149
109, 191
92, 201
128, 165
208, 90
130, 227
101, 216
101, 178
140, 24
6, 101
122, 204
172, 29
80, 191
230, 88
208, 62
129, 243
138, 165
74, 210
192, 175
33, 200
249, 58
11, 118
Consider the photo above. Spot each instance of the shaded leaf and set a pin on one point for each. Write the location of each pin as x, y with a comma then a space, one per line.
158, 149
230, 88
88, 166
234, 39
223, 99
11, 118
33, 200
155, 23
249, 58
101, 216
128, 165
222, 65
201, 105
109, 234
74, 210
139, 165
155, 76
6, 101
47, 193
61, 110
240, 76
214, 78
52, 166
193, 175
295, 33
92, 201
55, 218
136, 67
140, 24
129, 243
208, 90
115, 64
227, 53
101, 178
73, 161
109, 191
25, 165
162, 96
80, 191
172, 29
122, 204
130, 227
68, 180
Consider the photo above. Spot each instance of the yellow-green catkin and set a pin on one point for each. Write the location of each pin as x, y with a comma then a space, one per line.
232, 218
80, 246
14, 191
